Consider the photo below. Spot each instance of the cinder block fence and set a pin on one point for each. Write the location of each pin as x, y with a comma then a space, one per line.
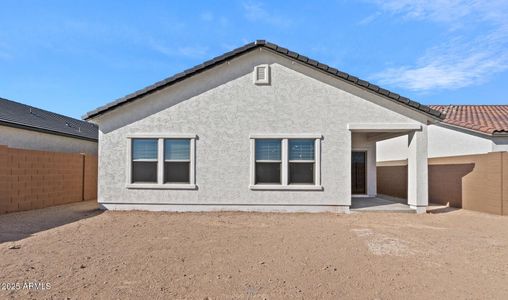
475, 182
32, 179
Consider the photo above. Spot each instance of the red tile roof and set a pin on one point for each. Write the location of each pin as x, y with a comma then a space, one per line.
489, 119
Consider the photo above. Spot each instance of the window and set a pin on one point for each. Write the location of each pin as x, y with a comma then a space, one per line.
176, 160
161, 161
144, 160
286, 162
301, 161
268, 161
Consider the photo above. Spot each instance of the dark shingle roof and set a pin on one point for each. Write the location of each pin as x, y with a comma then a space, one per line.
15, 114
487, 119
277, 49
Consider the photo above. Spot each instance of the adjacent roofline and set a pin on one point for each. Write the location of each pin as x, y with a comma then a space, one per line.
18, 115
496, 133
43, 130
279, 50
468, 126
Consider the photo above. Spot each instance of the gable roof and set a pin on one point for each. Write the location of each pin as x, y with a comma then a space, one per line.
15, 114
279, 50
487, 119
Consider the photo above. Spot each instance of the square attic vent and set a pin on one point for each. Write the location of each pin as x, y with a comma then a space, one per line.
262, 74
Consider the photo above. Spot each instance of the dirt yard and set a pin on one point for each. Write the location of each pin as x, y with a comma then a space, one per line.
79, 252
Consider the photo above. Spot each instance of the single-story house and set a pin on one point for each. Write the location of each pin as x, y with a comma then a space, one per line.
26, 127
465, 130
258, 128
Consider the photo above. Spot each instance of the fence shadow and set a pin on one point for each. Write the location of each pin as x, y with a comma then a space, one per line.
445, 183
20, 225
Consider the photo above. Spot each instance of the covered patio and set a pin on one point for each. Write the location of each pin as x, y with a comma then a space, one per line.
363, 166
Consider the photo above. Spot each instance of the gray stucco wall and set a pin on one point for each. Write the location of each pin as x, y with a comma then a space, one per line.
443, 141
33, 140
223, 107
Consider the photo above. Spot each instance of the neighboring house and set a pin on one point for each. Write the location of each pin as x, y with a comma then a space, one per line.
466, 129
258, 128
27, 127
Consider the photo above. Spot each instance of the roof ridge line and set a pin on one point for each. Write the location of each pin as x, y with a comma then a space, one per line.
280, 50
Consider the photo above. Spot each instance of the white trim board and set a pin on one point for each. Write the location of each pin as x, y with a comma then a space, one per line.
226, 207
383, 127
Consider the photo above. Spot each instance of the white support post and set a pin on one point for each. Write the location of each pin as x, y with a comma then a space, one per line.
417, 171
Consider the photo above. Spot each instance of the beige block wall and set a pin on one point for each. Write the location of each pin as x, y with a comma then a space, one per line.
90, 177
475, 179
504, 204
4, 179
392, 181
475, 182
36, 179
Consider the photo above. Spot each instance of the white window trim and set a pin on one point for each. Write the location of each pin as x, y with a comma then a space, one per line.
160, 162
285, 162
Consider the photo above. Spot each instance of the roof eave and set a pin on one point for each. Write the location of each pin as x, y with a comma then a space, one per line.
434, 114
493, 134
48, 131
500, 134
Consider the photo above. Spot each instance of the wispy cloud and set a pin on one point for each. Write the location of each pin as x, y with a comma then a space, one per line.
256, 12
209, 17
369, 19
436, 10
467, 59
186, 51
456, 65
193, 51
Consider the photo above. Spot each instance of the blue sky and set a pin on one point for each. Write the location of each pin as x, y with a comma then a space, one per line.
73, 56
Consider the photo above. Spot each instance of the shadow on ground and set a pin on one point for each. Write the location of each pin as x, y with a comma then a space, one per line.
20, 225
441, 209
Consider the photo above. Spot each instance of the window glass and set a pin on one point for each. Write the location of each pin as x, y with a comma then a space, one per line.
143, 149
268, 173
301, 173
268, 161
177, 161
176, 149
301, 161
301, 149
144, 161
268, 149
176, 172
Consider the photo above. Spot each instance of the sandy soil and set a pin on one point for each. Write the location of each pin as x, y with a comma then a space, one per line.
84, 253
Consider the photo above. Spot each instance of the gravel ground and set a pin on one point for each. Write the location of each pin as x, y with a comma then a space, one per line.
79, 252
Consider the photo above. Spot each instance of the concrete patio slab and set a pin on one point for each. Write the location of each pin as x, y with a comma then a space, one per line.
379, 204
